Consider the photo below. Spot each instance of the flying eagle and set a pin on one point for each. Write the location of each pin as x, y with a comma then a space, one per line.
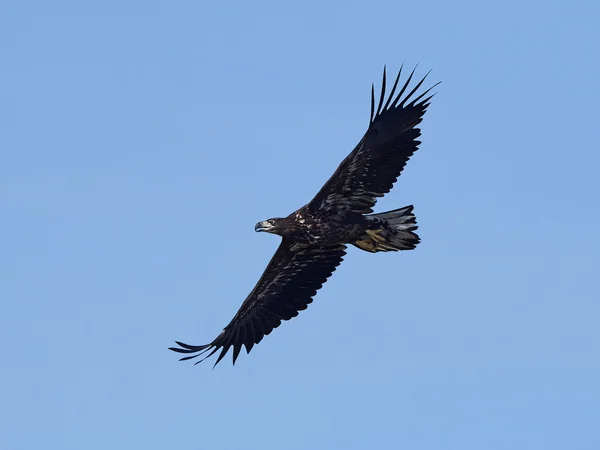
314, 238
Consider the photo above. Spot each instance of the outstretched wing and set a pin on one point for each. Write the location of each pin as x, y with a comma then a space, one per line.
374, 165
287, 286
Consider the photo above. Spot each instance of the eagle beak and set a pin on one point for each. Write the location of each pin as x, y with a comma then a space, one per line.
261, 226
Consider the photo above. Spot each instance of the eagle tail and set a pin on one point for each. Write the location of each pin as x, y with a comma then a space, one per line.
390, 231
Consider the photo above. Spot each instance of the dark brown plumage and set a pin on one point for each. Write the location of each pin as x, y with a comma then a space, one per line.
314, 238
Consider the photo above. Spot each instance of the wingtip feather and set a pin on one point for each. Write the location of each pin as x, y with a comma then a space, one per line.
372, 102
382, 94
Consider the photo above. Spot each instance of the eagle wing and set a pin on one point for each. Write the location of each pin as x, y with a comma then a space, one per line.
287, 286
375, 164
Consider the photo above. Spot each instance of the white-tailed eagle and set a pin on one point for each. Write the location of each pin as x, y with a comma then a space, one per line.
314, 238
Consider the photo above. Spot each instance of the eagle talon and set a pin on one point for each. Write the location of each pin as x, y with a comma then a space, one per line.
376, 235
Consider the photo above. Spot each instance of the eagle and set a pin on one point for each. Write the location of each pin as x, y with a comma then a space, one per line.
315, 237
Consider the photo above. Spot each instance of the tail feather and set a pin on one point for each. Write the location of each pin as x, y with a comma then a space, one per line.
390, 231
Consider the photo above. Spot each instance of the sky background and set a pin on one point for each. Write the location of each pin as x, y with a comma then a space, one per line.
141, 141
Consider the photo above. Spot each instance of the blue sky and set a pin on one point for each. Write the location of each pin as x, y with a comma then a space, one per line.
141, 141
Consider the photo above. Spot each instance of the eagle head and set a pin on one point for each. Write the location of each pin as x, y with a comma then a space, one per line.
274, 226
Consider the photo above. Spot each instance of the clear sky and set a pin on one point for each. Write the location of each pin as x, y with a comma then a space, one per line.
141, 141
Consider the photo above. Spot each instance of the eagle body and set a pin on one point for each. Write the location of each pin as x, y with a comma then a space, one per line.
327, 227
315, 237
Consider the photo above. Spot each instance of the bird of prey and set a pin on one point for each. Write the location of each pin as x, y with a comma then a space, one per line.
315, 237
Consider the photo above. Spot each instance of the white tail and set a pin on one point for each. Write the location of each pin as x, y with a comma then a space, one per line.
390, 231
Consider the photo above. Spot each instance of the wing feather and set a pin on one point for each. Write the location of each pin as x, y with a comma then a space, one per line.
382, 96
286, 287
372, 168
